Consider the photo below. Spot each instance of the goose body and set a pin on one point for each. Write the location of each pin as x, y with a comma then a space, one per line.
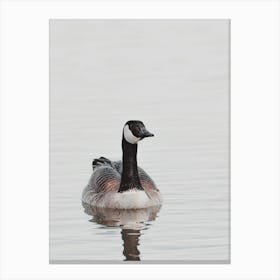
122, 184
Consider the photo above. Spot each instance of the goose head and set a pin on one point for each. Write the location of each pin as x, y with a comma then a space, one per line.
134, 131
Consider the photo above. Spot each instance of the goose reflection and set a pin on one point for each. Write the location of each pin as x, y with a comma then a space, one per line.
131, 222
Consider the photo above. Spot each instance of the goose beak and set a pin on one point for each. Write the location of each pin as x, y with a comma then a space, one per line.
145, 133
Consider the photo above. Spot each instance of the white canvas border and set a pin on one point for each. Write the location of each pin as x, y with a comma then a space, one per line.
254, 137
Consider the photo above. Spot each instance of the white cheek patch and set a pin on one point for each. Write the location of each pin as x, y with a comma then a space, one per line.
129, 137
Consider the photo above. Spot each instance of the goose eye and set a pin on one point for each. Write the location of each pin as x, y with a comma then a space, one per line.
137, 131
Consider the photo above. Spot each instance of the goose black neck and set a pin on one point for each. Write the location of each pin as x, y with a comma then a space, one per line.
130, 178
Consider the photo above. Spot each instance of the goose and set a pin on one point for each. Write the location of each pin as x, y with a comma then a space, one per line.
122, 184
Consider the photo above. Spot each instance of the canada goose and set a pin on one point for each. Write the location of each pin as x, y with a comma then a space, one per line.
122, 184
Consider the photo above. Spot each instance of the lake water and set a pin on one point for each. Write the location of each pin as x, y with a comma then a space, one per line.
174, 76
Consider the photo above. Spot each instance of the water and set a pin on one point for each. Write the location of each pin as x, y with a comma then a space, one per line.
171, 74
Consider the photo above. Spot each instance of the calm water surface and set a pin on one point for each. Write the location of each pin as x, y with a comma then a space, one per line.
177, 84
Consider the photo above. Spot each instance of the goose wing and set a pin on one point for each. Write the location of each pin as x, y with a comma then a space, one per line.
107, 176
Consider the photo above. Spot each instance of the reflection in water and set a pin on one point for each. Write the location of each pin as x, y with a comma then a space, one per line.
130, 242
131, 222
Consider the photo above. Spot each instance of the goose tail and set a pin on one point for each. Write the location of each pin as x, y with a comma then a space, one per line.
101, 161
